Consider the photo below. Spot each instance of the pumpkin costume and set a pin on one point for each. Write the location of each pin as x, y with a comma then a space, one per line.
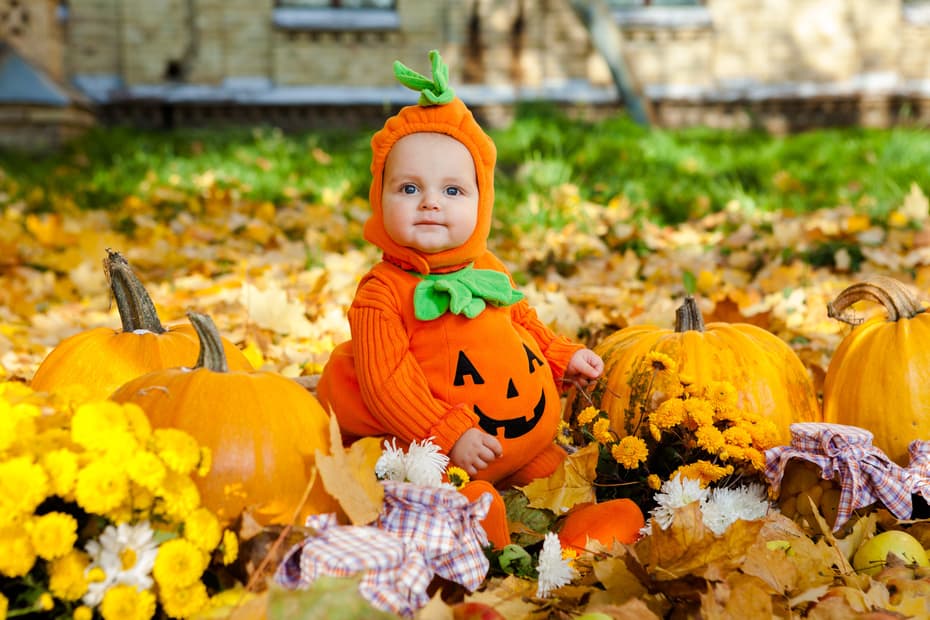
442, 342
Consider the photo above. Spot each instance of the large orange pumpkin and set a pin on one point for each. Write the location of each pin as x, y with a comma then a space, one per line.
767, 374
879, 375
102, 359
262, 428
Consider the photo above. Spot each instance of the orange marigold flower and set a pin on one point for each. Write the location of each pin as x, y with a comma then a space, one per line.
653, 482
698, 412
704, 471
601, 431
710, 439
669, 414
587, 415
721, 395
737, 436
629, 452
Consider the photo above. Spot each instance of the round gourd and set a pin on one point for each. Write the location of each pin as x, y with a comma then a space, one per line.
879, 376
262, 428
614, 520
768, 376
102, 359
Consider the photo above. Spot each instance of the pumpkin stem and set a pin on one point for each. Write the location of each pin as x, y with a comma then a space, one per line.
136, 309
212, 356
688, 317
899, 300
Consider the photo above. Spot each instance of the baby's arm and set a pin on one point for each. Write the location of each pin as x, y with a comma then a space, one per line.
475, 450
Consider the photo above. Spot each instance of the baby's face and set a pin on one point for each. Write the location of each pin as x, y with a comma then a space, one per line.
429, 198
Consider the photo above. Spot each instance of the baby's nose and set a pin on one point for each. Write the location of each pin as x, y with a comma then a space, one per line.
430, 202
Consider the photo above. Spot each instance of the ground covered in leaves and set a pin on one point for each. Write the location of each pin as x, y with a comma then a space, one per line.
277, 277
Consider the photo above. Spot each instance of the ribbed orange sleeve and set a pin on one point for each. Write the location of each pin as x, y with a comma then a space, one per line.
392, 384
558, 350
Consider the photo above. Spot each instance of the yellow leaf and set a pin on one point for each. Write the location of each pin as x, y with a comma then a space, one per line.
349, 476
253, 354
568, 485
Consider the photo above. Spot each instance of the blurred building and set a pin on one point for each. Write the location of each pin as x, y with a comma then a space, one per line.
780, 64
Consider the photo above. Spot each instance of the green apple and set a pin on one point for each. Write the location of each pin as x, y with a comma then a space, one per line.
872, 555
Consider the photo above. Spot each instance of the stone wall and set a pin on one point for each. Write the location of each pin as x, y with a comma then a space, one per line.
33, 28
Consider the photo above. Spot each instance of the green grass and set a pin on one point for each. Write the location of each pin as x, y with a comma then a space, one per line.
669, 175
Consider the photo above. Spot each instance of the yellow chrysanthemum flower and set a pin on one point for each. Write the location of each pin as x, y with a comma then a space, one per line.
184, 602
656, 432
629, 452
23, 486
764, 434
17, 424
669, 414
721, 395
101, 425
45, 602
230, 547
142, 499
125, 602
179, 564
62, 467
710, 439
230, 599
178, 496
4, 606
737, 436
53, 534
653, 482
177, 449
660, 362
203, 529
587, 415
66, 576
755, 458
703, 471
83, 613
101, 487
698, 413
601, 431
146, 469
17, 555
457, 476
139, 423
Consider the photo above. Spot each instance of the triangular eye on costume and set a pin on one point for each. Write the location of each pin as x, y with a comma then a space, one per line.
531, 358
464, 367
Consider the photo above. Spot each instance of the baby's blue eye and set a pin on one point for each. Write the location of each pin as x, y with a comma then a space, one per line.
453, 191
409, 188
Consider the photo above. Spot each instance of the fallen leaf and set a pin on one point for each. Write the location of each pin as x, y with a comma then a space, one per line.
349, 476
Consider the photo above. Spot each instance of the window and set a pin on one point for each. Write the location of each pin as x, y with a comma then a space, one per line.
336, 15
623, 4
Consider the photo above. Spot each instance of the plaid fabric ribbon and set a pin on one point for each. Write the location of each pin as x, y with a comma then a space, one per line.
444, 526
919, 467
846, 454
394, 574
421, 531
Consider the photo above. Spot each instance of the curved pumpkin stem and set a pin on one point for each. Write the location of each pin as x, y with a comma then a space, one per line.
899, 300
688, 317
212, 356
136, 309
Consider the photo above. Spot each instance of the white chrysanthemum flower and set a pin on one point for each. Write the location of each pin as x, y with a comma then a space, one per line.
725, 506
126, 553
425, 463
392, 464
554, 570
676, 493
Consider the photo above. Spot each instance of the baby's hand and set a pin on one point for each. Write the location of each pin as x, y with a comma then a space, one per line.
584, 367
475, 450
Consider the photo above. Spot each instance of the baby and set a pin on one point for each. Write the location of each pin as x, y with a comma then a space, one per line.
443, 346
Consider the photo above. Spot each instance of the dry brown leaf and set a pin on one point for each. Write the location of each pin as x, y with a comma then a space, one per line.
568, 485
349, 476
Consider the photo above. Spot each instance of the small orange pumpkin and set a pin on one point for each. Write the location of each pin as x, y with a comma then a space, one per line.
879, 375
768, 376
262, 428
614, 520
102, 359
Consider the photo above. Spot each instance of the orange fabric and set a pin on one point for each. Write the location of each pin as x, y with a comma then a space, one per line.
398, 375
453, 119
495, 523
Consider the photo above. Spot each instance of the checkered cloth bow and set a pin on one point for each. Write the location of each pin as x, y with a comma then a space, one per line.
421, 531
394, 574
846, 454
444, 526
919, 467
